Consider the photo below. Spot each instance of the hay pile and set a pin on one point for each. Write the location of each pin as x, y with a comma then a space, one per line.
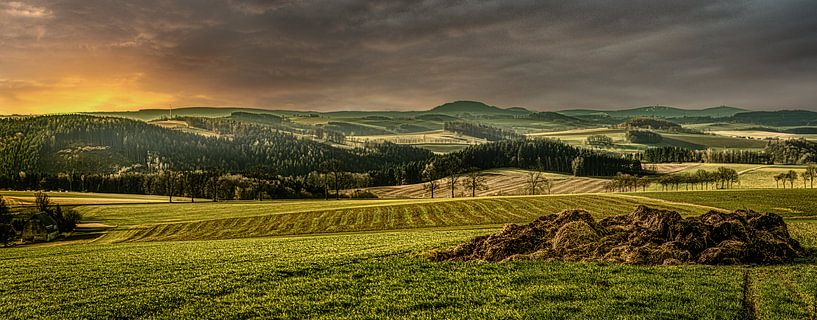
646, 236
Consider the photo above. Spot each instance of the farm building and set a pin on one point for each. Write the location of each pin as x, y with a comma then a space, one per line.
40, 228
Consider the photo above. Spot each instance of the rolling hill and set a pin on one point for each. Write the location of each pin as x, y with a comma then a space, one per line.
475, 107
657, 111
778, 118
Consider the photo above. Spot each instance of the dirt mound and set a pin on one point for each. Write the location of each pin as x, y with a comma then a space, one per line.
645, 236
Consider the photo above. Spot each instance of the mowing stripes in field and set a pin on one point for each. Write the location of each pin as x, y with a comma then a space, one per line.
422, 214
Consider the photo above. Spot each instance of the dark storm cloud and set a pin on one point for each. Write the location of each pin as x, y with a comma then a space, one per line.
416, 54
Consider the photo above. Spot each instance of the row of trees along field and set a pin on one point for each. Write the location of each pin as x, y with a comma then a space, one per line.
792, 151
792, 176
482, 131
722, 178
671, 154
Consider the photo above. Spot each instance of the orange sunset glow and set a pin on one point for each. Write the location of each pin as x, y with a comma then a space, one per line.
72, 56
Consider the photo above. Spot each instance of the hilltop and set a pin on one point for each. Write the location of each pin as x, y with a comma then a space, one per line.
476, 107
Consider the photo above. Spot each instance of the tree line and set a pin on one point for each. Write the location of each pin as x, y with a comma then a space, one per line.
722, 178
482, 131
791, 151
792, 176
671, 154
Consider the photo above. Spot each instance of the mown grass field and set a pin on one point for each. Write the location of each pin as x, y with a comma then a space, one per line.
227, 266
272, 218
499, 182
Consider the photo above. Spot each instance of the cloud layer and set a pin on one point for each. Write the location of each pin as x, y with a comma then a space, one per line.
60, 56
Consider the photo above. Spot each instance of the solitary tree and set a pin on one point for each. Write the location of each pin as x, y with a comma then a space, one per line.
42, 201
475, 180
171, 183
536, 181
334, 168
212, 187
453, 171
430, 174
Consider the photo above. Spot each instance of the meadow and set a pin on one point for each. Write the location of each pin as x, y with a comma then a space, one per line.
375, 275
295, 259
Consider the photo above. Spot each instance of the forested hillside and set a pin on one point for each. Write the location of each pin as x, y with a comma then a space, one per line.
245, 159
87, 144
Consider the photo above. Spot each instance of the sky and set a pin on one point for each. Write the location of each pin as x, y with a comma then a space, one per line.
111, 55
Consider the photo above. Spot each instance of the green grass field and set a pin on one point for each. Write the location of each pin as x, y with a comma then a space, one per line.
379, 275
227, 266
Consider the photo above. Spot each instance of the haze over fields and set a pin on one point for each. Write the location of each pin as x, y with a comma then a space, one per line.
78, 56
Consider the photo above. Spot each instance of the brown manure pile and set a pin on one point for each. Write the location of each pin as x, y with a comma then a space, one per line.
646, 236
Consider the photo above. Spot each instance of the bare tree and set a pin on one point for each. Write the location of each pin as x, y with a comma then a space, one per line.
334, 168
453, 171
453, 177
430, 173
171, 181
536, 181
475, 180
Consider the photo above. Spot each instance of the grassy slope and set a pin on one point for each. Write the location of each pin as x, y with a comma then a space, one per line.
359, 276
383, 274
500, 182
376, 275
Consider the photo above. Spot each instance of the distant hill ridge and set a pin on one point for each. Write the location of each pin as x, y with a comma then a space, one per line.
456, 108
658, 111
